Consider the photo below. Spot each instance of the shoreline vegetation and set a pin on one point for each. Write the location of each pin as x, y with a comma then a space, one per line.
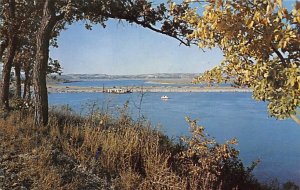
100, 151
77, 89
54, 88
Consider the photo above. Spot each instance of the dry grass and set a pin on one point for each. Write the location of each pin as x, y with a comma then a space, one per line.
102, 152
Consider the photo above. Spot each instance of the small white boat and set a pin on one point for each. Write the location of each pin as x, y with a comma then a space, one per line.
164, 97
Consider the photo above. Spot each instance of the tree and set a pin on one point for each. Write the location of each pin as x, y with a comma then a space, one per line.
261, 44
25, 59
3, 39
17, 76
9, 16
16, 29
58, 13
27, 45
28, 24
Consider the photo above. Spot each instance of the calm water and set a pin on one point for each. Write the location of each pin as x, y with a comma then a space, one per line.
224, 115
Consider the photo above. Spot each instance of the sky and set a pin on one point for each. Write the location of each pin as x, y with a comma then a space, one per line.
128, 49
122, 48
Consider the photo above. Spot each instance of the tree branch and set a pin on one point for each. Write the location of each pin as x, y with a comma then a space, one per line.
295, 118
145, 25
280, 56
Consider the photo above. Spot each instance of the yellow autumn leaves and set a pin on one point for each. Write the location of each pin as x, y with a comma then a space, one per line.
260, 40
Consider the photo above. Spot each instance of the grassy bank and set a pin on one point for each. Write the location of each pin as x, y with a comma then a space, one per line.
102, 152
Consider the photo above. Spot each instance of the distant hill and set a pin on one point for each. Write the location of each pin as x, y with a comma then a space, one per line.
76, 77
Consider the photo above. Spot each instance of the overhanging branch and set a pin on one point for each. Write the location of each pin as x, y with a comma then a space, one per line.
295, 118
187, 43
146, 25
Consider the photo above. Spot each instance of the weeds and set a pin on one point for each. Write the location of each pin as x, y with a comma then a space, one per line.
102, 152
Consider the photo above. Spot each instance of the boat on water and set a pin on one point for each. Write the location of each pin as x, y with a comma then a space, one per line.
164, 97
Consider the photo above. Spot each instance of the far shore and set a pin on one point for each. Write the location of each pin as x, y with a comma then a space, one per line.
77, 89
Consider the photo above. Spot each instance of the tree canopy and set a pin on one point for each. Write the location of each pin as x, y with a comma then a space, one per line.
28, 28
260, 41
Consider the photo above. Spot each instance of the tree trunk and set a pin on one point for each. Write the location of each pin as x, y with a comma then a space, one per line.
41, 62
18, 80
3, 46
27, 84
11, 50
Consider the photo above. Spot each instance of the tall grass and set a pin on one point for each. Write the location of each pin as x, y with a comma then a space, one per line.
102, 152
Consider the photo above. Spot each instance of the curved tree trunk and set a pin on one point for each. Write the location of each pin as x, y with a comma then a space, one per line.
18, 80
11, 51
41, 63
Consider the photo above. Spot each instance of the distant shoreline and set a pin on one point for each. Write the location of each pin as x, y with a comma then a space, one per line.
78, 89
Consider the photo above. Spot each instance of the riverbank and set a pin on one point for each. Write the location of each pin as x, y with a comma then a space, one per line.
77, 89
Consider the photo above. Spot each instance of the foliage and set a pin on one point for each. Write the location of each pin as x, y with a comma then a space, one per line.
260, 40
54, 66
204, 161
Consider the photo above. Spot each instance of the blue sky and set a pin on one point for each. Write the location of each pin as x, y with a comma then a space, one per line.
123, 48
